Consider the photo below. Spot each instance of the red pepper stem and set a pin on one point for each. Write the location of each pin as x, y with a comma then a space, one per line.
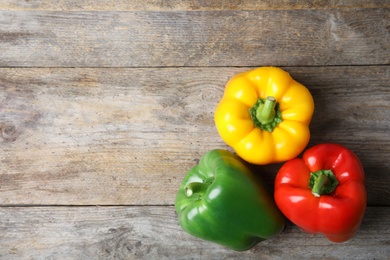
321, 181
195, 187
266, 112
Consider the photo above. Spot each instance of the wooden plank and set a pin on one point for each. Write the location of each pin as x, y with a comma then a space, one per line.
153, 232
127, 136
301, 37
179, 5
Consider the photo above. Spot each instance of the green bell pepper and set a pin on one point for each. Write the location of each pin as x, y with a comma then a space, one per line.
221, 200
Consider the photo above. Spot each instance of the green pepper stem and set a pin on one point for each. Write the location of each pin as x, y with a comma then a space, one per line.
266, 112
195, 187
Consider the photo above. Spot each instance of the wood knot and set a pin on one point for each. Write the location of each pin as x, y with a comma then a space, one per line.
8, 133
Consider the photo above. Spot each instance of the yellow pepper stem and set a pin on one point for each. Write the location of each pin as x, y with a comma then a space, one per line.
266, 112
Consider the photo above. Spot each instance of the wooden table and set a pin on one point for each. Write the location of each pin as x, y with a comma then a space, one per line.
105, 105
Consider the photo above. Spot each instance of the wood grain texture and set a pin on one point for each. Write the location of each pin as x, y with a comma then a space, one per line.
105, 105
301, 37
110, 136
153, 232
180, 5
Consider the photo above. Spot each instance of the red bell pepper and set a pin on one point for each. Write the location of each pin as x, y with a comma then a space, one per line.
324, 192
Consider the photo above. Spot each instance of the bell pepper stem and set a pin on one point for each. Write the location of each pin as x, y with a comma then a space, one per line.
266, 112
322, 182
195, 187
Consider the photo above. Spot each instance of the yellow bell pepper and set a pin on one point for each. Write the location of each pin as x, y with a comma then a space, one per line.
264, 115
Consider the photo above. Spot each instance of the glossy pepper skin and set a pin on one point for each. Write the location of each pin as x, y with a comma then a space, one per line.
310, 197
220, 200
264, 115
